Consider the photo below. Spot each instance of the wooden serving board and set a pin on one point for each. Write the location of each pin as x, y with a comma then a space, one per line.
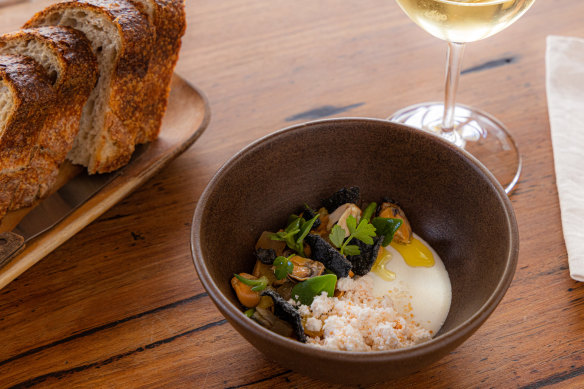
187, 116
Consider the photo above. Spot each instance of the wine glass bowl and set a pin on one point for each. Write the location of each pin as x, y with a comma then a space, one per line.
464, 21
459, 22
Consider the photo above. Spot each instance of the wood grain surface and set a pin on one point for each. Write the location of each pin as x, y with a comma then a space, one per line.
120, 304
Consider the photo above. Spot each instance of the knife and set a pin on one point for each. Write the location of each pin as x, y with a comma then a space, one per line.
56, 207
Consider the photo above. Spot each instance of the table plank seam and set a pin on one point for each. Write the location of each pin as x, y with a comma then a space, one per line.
322, 112
555, 379
261, 380
106, 326
65, 373
491, 64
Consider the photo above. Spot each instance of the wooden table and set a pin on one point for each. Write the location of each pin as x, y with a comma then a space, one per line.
120, 304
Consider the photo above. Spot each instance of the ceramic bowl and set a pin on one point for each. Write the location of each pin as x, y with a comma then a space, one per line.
451, 200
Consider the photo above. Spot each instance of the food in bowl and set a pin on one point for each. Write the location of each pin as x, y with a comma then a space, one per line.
347, 278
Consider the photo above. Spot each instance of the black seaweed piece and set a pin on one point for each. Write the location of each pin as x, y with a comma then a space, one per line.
308, 213
285, 311
341, 197
323, 252
265, 256
363, 262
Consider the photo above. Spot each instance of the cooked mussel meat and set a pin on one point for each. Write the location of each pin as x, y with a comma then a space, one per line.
305, 268
245, 295
266, 242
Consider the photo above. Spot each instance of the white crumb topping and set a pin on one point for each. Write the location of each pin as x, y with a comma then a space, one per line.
359, 321
313, 324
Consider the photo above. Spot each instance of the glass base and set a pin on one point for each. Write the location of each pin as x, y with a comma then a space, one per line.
475, 131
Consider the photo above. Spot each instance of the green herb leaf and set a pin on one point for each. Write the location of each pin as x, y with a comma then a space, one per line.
258, 285
295, 232
306, 291
284, 236
337, 236
387, 227
351, 224
283, 266
291, 219
352, 250
304, 230
294, 223
369, 211
249, 312
364, 232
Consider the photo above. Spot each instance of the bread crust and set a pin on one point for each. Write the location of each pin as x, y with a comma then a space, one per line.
169, 21
33, 100
76, 78
115, 144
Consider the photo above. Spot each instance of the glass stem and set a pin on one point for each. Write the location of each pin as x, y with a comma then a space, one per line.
453, 68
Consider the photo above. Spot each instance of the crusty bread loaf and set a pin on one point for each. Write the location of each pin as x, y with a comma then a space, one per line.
121, 38
168, 19
26, 98
66, 56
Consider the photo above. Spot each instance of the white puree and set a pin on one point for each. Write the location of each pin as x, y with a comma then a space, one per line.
428, 289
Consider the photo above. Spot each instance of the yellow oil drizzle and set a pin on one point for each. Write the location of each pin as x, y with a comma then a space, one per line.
415, 254
383, 257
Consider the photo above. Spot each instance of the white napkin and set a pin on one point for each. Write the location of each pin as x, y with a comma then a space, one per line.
565, 94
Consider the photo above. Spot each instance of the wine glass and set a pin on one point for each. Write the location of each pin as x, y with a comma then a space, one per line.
459, 22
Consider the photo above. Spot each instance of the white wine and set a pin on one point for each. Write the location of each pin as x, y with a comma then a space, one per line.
464, 21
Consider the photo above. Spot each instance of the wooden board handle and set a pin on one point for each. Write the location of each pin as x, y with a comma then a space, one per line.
10, 245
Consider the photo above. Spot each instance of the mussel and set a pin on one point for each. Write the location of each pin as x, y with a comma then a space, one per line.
305, 268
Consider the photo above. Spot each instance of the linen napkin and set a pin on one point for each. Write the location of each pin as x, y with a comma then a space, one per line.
565, 94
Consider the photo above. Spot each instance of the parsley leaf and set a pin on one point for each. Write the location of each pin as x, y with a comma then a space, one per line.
352, 250
351, 224
337, 236
364, 232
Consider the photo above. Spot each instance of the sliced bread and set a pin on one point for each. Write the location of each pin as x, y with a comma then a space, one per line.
26, 98
168, 19
66, 56
121, 38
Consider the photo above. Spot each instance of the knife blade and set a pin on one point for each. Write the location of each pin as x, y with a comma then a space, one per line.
56, 207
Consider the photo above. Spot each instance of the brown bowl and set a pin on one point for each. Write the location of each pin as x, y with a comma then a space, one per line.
451, 200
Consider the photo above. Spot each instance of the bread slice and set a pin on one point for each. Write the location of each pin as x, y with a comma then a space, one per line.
121, 38
66, 56
168, 19
26, 98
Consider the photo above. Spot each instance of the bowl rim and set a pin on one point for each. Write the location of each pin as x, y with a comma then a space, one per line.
453, 337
